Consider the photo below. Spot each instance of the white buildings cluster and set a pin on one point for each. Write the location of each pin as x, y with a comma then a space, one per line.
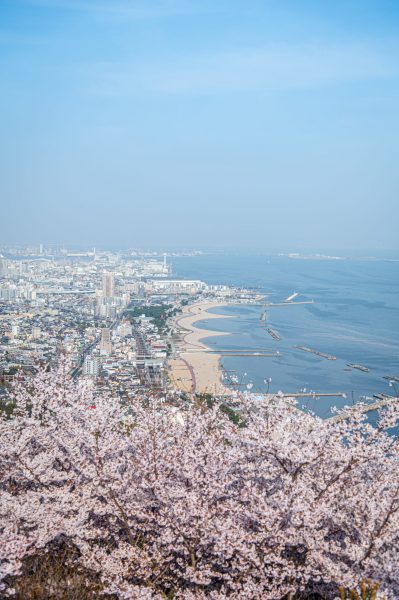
74, 306
79, 305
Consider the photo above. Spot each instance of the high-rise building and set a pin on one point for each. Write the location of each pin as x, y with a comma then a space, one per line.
36, 333
91, 366
8, 293
108, 285
105, 342
125, 328
3, 267
15, 330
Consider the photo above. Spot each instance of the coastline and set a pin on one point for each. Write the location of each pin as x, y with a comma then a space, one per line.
195, 370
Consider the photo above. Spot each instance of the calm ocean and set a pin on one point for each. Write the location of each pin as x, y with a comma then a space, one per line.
355, 317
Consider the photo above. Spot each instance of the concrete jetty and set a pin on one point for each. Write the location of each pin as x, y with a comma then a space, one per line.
364, 408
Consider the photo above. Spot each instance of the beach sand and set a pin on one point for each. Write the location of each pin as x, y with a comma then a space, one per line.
195, 370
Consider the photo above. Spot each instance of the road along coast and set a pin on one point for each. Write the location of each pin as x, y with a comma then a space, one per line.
194, 369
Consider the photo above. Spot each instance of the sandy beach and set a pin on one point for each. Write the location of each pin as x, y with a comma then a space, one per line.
194, 369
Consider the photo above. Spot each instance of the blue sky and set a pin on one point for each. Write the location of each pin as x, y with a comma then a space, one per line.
256, 124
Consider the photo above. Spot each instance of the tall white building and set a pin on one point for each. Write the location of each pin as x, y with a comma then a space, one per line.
8, 292
3, 267
108, 285
92, 366
105, 343
165, 266
125, 328
36, 333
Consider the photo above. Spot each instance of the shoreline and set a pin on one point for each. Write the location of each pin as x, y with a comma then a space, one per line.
195, 370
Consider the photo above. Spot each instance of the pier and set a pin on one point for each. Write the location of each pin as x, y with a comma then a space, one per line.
364, 408
322, 354
290, 298
358, 367
273, 333
227, 350
243, 353
315, 395
383, 397
271, 354
265, 352
289, 303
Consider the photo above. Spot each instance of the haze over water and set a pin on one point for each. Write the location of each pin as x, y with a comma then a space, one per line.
355, 317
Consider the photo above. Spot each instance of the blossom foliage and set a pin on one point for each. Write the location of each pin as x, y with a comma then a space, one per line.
182, 501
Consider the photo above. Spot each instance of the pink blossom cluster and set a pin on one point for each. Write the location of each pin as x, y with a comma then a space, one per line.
178, 500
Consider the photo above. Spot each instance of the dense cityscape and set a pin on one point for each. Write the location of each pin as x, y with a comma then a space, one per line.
107, 313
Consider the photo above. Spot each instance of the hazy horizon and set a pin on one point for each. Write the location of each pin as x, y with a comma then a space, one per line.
358, 254
218, 124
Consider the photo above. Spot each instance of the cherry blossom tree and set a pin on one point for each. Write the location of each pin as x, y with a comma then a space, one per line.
172, 498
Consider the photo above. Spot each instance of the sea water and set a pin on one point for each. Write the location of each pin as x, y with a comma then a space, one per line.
355, 317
